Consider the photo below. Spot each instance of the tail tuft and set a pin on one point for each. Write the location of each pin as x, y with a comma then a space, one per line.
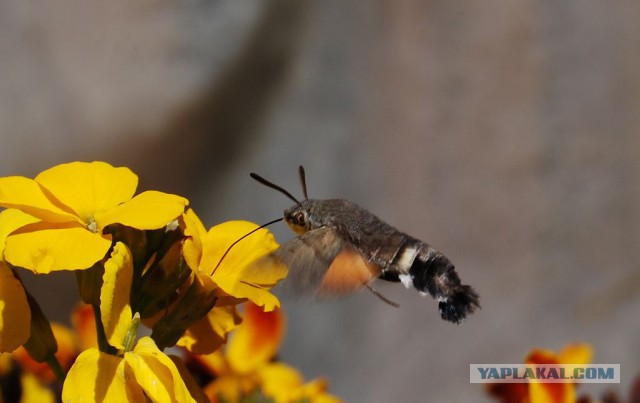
457, 306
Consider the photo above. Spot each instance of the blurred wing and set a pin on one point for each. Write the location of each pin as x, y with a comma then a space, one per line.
321, 262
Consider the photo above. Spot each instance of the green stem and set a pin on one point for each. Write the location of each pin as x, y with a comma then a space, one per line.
54, 364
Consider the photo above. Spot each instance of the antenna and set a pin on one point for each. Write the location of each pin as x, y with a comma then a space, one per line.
274, 186
303, 182
240, 239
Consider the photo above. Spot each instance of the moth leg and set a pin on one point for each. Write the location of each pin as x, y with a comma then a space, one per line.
379, 295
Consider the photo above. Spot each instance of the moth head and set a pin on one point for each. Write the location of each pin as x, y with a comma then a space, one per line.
297, 218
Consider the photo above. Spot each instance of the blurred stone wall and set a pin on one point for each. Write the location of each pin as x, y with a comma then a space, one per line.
504, 133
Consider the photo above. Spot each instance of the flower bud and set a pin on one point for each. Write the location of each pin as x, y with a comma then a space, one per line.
136, 240
196, 302
162, 280
132, 333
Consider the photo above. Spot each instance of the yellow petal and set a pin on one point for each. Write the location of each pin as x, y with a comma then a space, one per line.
11, 220
257, 340
552, 393
280, 381
15, 316
222, 236
114, 296
228, 389
156, 373
148, 210
56, 249
283, 383
33, 391
576, 354
194, 389
315, 392
195, 232
210, 332
89, 187
26, 195
100, 377
239, 274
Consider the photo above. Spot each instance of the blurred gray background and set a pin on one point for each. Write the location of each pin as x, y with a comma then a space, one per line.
506, 134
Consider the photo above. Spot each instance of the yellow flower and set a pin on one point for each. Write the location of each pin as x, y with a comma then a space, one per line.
98, 376
133, 373
248, 367
242, 271
535, 392
15, 315
116, 312
235, 277
284, 384
206, 335
73, 203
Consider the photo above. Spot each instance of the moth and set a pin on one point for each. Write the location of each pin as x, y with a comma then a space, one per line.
341, 247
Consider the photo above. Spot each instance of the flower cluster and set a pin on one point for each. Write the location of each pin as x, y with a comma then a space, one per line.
138, 259
245, 369
541, 392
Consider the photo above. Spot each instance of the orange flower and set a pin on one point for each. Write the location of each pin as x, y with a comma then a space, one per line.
84, 323
247, 367
557, 392
537, 392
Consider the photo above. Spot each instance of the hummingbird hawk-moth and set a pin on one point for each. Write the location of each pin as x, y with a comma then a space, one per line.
341, 247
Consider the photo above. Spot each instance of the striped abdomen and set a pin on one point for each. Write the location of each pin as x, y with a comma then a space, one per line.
417, 264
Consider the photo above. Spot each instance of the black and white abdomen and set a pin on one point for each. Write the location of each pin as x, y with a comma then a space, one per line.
417, 264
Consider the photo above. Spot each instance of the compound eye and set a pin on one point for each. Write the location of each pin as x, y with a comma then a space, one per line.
299, 218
